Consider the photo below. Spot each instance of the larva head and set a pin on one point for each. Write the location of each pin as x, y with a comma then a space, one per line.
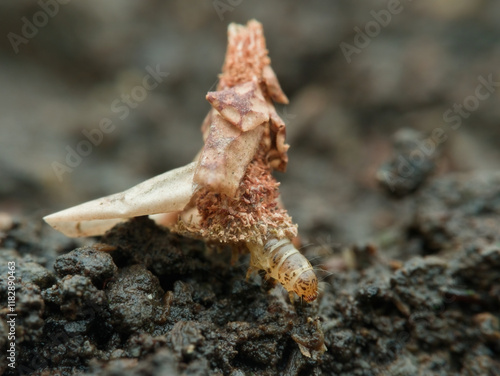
306, 286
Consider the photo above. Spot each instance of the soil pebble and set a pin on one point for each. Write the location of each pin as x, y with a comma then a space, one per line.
88, 261
411, 165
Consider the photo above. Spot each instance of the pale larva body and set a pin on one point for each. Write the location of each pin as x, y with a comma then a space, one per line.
283, 262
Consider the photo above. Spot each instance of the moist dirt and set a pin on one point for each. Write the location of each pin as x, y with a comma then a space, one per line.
145, 301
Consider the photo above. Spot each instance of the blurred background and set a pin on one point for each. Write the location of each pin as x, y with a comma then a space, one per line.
355, 72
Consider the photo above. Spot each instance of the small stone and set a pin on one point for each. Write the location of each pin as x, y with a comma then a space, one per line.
86, 261
129, 299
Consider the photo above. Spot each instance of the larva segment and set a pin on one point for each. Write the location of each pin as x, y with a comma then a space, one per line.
283, 262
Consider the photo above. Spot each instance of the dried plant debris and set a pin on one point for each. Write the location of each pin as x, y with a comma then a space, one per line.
227, 194
164, 193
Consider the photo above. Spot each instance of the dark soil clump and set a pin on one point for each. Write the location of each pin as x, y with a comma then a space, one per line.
148, 301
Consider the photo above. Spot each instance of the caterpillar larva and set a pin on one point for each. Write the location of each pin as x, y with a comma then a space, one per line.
283, 262
228, 193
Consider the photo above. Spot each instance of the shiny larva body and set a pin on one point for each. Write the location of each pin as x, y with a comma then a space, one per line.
284, 263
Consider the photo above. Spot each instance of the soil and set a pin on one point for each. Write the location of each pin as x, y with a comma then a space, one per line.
398, 208
146, 301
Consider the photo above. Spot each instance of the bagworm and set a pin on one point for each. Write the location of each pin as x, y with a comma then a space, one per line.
228, 193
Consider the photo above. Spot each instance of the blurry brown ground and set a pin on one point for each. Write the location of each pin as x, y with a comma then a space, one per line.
340, 119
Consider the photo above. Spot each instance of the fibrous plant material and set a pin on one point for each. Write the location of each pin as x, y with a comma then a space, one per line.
228, 193
252, 213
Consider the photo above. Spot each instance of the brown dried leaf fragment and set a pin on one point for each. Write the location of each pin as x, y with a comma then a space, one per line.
273, 86
243, 105
277, 157
225, 156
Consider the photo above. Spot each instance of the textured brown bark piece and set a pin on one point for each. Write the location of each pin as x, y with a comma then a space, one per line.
243, 105
273, 86
226, 155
